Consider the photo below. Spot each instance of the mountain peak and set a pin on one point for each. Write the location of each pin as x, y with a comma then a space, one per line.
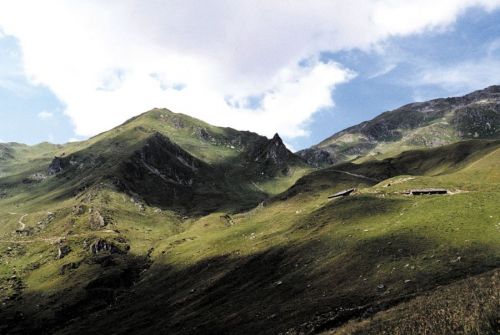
274, 152
277, 138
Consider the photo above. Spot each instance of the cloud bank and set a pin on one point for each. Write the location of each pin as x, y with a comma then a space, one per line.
249, 64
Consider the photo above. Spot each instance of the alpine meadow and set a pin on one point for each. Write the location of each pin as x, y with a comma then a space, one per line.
175, 223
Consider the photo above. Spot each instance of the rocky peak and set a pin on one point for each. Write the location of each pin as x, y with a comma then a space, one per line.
273, 151
277, 139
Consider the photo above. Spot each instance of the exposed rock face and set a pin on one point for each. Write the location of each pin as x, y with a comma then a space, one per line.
273, 156
96, 220
6, 152
162, 172
416, 125
57, 165
317, 157
35, 178
69, 267
203, 134
103, 246
62, 251
165, 160
78, 161
272, 151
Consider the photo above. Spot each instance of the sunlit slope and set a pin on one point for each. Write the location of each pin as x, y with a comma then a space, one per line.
417, 125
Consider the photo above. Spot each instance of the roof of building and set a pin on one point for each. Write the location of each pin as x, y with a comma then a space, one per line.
342, 193
429, 190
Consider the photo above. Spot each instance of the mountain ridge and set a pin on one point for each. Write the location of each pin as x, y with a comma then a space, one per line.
416, 125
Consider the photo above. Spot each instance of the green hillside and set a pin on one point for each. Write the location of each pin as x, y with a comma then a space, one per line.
166, 224
414, 126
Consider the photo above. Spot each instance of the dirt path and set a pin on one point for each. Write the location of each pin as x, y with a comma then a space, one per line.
258, 187
54, 239
22, 226
357, 175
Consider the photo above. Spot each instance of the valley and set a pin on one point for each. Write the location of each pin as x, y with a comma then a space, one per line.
169, 225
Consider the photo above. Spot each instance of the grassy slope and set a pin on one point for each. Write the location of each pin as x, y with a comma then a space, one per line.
58, 211
468, 306
297, 262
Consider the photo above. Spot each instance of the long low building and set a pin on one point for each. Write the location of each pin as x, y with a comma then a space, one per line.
422, 191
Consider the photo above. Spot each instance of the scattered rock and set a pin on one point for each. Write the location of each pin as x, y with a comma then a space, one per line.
96, 220
35, 178
68, 267
227, 220
78, 209
63, 251
101, 245
33, 266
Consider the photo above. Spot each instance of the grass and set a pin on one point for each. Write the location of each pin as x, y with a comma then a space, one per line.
296, 262
440, 311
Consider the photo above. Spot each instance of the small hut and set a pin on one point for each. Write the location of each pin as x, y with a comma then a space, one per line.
343, 193
423, 191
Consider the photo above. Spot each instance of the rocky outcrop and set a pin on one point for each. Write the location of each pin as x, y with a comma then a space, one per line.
97, 220
161, 173
62, 251
316, 157
272, 151
103, 246
57, 165
273, 156
163, 159
35, 178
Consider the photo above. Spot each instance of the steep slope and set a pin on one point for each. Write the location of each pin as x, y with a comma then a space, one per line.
297, 263
416, 125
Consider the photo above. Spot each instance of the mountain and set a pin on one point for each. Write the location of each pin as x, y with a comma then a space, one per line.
169, 225
168, 160
417, 125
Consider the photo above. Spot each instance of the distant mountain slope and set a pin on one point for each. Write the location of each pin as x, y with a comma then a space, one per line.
416, 125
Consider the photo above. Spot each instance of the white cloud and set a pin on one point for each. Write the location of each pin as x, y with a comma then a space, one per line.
107, 61
387, 68
463, 77
44, 115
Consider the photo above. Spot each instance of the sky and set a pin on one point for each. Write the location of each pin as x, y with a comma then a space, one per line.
305, 69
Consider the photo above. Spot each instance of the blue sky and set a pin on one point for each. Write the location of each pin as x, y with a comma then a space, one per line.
30, 113
474, 38
59, 87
